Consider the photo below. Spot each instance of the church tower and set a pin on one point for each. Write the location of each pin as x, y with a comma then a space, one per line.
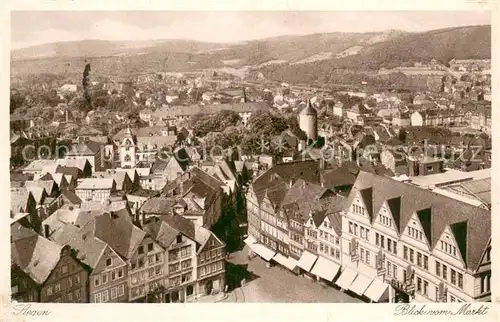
308, 121
128, 148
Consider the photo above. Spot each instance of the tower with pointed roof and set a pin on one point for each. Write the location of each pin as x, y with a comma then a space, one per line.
128, 149
308, 121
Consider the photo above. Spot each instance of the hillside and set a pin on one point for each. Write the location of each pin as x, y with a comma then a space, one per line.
442, 45
99, 48
295, 59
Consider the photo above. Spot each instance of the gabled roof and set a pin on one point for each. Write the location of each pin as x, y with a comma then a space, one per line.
46, 185
71, 197
117, 231
88, 248
19, 199
74, 172
435, 211
36, 256
77, 163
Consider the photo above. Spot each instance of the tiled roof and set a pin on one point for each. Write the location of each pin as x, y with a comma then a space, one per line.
307, 170
71, 196
339, 176
46, 185
444, 211
162, 232
117, 231
158, 205
93, 183
77, 163
183, 225
19, 199
38, 165
88, 248
18, 231
36, 256
75, 172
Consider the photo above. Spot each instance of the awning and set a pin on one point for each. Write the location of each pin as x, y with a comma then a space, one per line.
262, 251
360, 284
376, 290
289, 263
307, 260
346, 278
325, 269
250, 240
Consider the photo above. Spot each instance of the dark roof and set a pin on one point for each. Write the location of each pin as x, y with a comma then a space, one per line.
158, 205
73, 171
117, 231
339, 176
434, 210
71, 197
307, 170
183, 225
309, 110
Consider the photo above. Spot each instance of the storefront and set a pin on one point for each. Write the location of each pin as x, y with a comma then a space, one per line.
306, 263
325, 269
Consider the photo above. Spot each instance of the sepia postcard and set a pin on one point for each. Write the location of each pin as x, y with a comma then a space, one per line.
174, 162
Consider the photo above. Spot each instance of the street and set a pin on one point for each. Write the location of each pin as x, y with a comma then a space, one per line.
278, 285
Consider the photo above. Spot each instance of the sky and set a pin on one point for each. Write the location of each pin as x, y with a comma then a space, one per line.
30, 28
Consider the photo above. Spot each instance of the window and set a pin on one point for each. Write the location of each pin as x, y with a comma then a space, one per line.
438, 269
445, 272
426, 287
69, 282
113, 275
127, 157
49, 290
419, 259
158, 258
426, 262
104, 278
179, 239
174, 268
382, 241
219, 266
367, 257
64, 269
460, 280
151, 260
453, 276
108, 262
419, 284
77, 279
105, 296
57, 287
97, 298
389, 245
114, 293
405, 252
141, 250
351, 229
150, 247
158, 270
411, 255
121, 290
120, 273
202, 270
186, 278
377, 236
151, 272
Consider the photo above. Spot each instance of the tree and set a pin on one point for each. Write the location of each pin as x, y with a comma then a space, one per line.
214, 123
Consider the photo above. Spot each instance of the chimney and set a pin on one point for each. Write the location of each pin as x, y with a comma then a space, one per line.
46, 231
67, 117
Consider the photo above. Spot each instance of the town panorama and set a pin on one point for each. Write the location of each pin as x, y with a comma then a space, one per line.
335, 167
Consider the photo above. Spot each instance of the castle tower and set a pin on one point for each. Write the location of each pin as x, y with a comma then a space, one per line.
308, 121
128, 148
